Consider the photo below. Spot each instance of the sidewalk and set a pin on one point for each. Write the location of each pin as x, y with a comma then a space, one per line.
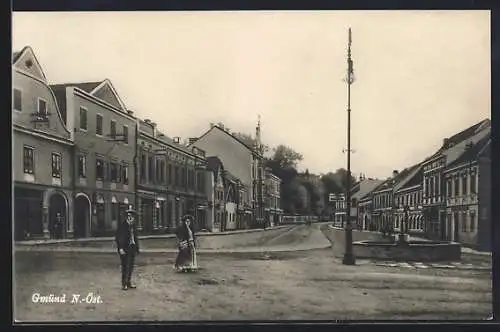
155, 236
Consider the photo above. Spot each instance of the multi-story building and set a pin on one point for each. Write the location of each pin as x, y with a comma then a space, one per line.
434, 203
273, 198
239, 159
226, 197
360, 190
408, 203
104, 132
171, 181
468, 192
383, 203
41, 157
339, 208
365, 205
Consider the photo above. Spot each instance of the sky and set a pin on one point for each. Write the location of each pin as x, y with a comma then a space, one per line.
421, 76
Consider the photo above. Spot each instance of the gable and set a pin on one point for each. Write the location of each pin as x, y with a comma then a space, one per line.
107, 93
27, 62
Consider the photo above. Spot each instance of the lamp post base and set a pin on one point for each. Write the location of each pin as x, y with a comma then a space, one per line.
349, 259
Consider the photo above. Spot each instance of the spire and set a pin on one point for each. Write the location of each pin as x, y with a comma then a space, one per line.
258, 143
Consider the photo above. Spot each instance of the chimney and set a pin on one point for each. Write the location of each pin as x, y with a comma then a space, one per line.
147, 121
153, 124
192, 140
177, 140
129, 112
445, 142
212, 125
395, 172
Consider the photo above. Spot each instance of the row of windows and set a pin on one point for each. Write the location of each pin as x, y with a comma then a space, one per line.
462, 219
410, 199
453, 187
29, 162
99, 125
432, 186
18, 103
158, 171
381, 201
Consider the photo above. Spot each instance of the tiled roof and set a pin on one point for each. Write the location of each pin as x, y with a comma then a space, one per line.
393, 181
416, 178
456, 151
85, 86
466, 133
231, 135
366, 187
471, 153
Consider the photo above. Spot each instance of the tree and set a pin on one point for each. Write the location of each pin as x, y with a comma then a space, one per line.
286, 157
249, 140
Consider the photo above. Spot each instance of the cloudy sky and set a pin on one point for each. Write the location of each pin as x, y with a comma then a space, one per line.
420, 75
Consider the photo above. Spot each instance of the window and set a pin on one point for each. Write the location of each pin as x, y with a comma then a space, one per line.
473, 183
427, 183
98, 124
125, 134
151, 169
82, 166
464, 222
42, 108
169, 173
457, 186
183, 177
176, 174
143, 167
56, 165
158, 170
112, 129
448, 187
125, 174
17, 100
472, 222
464, 185
28, 160
83, 118
113, 172
99, 169
114, 210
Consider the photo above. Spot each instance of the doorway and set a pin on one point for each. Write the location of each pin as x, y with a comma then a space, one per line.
57, 215
81, 216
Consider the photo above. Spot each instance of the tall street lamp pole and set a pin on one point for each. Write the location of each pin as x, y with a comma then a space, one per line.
348, 255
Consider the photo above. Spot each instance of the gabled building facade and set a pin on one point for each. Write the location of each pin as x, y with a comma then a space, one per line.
408, 203
104, 132
171, 181
362, 188
242, 161
434, 201
273, 209
41, 155
468, 195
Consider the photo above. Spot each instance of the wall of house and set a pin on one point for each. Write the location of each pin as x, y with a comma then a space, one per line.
484, 239
231, 215
237, 159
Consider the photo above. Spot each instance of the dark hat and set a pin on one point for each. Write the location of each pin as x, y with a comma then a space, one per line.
130, 210
187, 216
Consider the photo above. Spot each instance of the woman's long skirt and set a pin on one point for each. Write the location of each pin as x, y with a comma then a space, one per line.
186, 260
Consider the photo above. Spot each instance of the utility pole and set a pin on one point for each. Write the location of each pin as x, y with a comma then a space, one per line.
260, 152
349, 258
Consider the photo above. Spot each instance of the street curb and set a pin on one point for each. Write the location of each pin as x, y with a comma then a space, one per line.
153, 236
167, 251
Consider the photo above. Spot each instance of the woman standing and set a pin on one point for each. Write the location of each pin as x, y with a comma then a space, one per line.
186, 258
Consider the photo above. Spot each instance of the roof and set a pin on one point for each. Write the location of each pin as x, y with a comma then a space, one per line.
415, 178
365, 187
227, 133
85, 86
395, 180
471, 153
456, 151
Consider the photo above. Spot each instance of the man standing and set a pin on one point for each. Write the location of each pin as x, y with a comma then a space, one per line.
128, 246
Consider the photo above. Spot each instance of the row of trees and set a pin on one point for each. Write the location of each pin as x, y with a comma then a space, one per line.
301, 192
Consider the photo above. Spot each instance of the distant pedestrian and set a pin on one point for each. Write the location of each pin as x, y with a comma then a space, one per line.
127, 243
186, 258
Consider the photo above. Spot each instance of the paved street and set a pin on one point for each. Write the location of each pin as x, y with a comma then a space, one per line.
254, 285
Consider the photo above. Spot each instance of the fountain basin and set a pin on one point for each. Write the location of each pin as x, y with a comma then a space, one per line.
412, 251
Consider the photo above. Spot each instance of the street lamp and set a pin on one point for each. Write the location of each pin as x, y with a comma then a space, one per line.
348, 255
